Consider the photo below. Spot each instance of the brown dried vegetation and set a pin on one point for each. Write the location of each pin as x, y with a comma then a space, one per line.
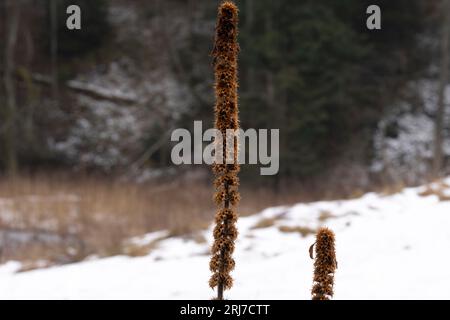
437, 188
226, 114
304, 231
325, 265
265, 223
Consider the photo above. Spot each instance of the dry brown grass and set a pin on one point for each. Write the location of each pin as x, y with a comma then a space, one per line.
436, 188
264, 223
325, 215
391, 189
304, 231
427, 192
96, 214
65, 218
139, 250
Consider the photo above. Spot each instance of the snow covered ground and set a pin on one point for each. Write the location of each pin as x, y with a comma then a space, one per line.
388, 247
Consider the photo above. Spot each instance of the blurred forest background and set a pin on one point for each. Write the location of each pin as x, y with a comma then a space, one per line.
86, 115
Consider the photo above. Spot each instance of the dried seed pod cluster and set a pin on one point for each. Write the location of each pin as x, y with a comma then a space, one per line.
325, 265
225, 54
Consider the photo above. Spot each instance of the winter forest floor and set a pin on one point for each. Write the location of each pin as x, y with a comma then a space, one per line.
389, 246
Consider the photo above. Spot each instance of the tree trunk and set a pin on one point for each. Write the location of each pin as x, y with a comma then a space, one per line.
32, 93
251, 76
275, 99
54, 50
9, 134
438, 139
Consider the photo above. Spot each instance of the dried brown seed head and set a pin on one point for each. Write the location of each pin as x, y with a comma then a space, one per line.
325, 265
225, 53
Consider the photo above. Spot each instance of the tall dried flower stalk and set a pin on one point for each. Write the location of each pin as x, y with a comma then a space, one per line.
226, 183
325, 265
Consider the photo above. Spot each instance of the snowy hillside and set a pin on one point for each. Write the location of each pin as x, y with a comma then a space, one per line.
403, 141
388, 247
